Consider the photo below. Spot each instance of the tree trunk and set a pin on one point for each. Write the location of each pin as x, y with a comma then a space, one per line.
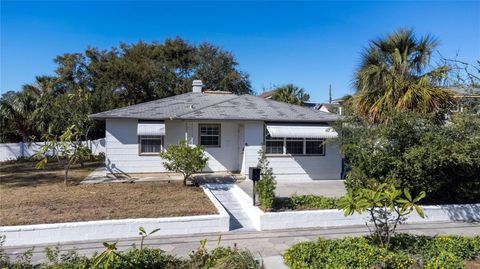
67, 167
66, 176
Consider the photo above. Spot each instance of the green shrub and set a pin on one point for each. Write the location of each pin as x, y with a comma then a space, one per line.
444, 260
344, 253
185, 159
136, 258
300, 202
57, 260
266, 185
386, 206
145, 258
407, 251
222, 258
417, 152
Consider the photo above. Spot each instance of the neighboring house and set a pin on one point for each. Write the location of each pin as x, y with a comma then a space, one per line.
333, 107
330, 108
467, 98
232, 128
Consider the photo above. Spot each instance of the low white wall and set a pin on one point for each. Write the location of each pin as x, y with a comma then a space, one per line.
13, 151
335, 218
253, 212
115, 229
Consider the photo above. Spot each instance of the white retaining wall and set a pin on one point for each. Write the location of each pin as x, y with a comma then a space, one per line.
13, 151
334, 218
115, 229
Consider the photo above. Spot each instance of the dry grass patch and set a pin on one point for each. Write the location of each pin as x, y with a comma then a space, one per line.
30, 196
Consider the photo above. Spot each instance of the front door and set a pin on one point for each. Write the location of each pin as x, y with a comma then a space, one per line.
241, 146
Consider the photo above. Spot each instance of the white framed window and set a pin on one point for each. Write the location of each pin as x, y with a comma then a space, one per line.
150, 144
273, 145
209, 135
314, 146
294, 146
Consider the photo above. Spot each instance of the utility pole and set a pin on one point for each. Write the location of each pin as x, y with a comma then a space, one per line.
330, 94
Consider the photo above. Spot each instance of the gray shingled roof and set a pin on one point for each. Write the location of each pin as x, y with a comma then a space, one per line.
212, 106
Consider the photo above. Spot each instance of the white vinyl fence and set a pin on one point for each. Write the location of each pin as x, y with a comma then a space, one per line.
13, 151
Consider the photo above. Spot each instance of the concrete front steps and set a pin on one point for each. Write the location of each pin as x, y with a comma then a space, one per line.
239, 220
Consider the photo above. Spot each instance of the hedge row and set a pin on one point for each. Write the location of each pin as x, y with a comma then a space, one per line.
407, 251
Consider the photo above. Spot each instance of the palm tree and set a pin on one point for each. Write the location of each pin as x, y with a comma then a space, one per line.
18, 113
395, 75
290, 94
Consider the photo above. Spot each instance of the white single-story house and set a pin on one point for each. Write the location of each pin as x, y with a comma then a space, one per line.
232, 128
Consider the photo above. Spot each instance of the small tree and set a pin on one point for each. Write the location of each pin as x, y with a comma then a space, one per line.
386, 206
266, 185
185, 159
66, 148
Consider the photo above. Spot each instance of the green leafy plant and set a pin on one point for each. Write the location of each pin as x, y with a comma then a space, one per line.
266, 185
144, 234
185, 159
106, 259
300, 202
290, 94
395, 74
66, 148
417, 152
222, 258
386, 206
407, 251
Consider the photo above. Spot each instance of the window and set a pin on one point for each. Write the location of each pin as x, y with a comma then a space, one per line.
314, 146
150, 144
273, 145
294, 146
209, 135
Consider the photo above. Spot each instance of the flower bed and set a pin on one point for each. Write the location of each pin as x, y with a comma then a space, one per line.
406, 251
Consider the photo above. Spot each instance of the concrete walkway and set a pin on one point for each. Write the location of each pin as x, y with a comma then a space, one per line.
239, 221
329, 188
267, 245
100, 175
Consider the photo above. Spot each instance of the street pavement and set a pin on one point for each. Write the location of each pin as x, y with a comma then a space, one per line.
267, 245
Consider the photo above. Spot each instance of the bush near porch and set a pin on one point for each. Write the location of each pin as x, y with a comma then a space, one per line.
407, 251
31, 196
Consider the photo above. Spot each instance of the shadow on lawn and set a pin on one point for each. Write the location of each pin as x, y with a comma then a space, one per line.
24, 173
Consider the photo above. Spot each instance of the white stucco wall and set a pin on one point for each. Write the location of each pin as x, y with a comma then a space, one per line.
122, 146
225, 157
240, 143
292, 168
297, 168
122, 149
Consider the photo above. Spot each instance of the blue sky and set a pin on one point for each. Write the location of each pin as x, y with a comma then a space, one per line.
310, 44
